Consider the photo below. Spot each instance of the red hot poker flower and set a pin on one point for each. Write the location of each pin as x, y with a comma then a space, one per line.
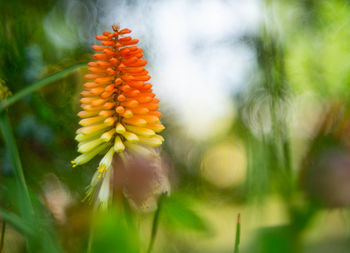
119, 113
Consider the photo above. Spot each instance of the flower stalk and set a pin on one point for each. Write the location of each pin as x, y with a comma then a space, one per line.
2, 241
155, 224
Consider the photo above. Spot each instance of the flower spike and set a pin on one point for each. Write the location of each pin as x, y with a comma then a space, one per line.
119, 107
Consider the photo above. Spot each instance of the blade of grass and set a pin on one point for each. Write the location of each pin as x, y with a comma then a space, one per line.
37, 85
238, 234
155, 223
26, 206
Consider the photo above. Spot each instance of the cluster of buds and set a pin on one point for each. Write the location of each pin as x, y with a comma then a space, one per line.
119, 116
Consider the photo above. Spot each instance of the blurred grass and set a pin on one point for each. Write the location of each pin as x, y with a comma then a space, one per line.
38, 85
238, 234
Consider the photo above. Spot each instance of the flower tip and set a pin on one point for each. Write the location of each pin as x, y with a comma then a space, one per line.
116, 27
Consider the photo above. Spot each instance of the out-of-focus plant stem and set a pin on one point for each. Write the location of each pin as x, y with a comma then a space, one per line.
155, 223
91, 237
238, 234
3, 230
37, 85
276, 85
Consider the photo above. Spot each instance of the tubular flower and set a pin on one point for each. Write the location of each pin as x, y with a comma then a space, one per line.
119, 110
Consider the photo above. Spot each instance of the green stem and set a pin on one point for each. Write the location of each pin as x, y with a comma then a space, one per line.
91, 236
2, 241
37, 85
155, 223
238, 234
91, 232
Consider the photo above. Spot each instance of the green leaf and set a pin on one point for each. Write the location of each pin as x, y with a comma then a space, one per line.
113, 233
276, 239
178, 214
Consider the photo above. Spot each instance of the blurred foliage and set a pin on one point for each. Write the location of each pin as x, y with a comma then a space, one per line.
178, 214
284, 164
114, 234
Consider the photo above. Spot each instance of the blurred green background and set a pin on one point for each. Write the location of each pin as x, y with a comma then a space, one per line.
255, 102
